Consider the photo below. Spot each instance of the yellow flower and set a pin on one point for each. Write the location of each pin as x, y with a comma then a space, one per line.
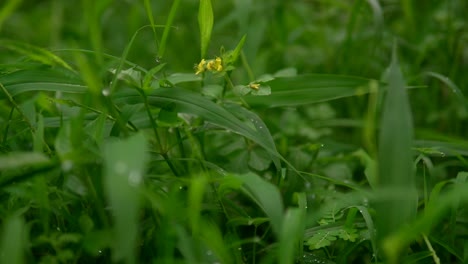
215, 65
200, 67
254, 86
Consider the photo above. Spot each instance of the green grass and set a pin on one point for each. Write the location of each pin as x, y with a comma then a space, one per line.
313, 132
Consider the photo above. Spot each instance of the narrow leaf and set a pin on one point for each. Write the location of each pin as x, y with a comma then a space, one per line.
205, 22
309, 88
267, 196
124, 165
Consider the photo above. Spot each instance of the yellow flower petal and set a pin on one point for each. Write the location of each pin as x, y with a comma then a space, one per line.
200, 67
254, 86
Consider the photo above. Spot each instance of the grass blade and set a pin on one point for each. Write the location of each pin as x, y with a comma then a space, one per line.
205, 22
35, 53
13, 241
167, 28
267, 196
291, 235
309, 88
195, 104
124, 165
395, 156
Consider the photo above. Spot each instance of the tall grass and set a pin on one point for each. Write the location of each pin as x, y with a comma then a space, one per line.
234, 132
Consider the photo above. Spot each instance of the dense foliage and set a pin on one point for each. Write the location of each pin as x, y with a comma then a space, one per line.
233, 131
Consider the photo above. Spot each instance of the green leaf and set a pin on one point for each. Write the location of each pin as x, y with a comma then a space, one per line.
124, 165
177, 78
195, 104
13, 240
205, 22
395, 157
149, 77
310, 88
42, 80
322, 238
259, 159
231, 56
35, 53
291, 235
348, 234
266, 196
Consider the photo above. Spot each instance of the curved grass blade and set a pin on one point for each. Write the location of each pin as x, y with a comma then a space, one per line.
35, 53
309, 88
42, 80
192, 103
458, 93
267, 196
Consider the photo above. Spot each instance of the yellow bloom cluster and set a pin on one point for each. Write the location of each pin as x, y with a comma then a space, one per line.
211, 65
254, 86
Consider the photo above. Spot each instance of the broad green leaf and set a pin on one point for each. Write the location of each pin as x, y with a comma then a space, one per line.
395, 157
261, 128
310, 88
205, 22
266, 196
124, 166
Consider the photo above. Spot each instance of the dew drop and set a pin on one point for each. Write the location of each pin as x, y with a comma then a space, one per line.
67, 165
134, 178
106, 92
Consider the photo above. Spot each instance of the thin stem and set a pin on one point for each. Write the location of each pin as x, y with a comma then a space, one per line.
163, 151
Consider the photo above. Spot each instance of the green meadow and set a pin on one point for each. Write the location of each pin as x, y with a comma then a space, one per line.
237, 131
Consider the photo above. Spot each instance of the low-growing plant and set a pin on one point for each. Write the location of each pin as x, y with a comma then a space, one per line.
238, 156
